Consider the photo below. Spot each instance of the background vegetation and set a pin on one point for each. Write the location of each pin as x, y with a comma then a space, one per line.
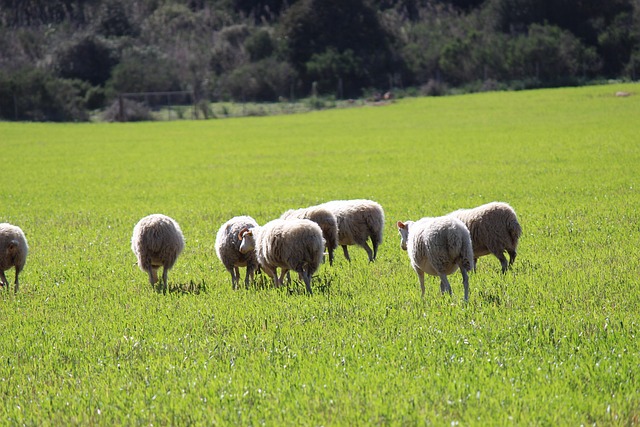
87, 341
61, 59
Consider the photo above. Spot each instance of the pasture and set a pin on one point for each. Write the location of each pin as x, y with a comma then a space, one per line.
87, 341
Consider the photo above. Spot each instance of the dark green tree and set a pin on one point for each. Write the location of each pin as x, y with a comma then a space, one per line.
320, 27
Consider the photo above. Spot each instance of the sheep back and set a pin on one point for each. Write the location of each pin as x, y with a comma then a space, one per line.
13, 247
228, 243
494, 228
293, 244
157, 241
358, 220
438, 245
325, 219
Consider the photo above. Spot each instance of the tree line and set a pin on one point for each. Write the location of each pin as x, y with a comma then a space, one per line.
61, 59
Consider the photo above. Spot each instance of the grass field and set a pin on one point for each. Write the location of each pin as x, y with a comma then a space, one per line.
87, 341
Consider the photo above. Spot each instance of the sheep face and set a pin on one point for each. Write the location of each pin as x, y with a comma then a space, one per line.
403, 229
247, 241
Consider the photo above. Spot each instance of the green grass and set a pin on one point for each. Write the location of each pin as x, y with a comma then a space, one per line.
87, 341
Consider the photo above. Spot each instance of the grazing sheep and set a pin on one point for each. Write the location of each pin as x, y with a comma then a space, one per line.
228, 249
358, 220
157, 241
494, 229
325, 219
13, 252
438, 246
292, 244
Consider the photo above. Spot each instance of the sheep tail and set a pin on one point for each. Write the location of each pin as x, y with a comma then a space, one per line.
515, 231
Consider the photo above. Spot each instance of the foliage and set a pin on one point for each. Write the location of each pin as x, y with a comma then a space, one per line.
144, 70
87, 340
344, 48
36, 95
88, 59
264, 80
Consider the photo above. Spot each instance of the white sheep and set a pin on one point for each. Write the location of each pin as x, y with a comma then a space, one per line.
325, 219
293, 244
13, 252
157, 241
228, 249
438, 246
358, 220
494, 229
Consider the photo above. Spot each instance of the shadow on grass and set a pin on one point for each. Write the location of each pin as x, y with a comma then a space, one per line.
188, 288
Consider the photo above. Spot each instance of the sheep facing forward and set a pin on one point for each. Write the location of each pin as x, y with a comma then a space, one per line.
438, 246
228, 249
494, 229
13, 252
293, 244
325, 219
157, 241
358, 221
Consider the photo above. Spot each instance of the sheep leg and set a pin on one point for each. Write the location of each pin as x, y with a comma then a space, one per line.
280, 278
15, 290
331, 257
235, 277
165, 273
270, 273
465, 282
445, 286
369, 251
503, 261
153, 276
421, 280
3, 279
346, 252
249, 276
306, 278
512, 256
374, 243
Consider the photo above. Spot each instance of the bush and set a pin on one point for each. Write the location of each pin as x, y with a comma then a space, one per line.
37, 95
143, 70
127, 111
89, 59
266, 80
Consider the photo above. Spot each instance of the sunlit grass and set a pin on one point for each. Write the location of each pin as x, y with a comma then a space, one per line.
88, 341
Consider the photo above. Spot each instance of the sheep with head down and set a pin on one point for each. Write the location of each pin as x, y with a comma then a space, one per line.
325, 219
494, 229
358, 221
13, 252
293, 244
228, 249
438, 246
157, 241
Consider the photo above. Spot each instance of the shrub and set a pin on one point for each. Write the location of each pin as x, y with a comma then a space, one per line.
266, 80
37, 95
126, 111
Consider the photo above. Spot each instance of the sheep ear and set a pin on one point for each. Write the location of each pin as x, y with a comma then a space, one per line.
401, 224
243, 232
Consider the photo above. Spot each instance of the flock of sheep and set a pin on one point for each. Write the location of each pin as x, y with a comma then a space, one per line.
298, 239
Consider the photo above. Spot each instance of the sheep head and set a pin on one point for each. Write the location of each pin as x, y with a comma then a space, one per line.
403, 229
247, 240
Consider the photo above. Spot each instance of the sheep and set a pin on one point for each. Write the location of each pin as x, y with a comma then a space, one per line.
325, 219
358, 220
13, 252
438, 246
494, 229
157, 241
292, 244
228, 249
